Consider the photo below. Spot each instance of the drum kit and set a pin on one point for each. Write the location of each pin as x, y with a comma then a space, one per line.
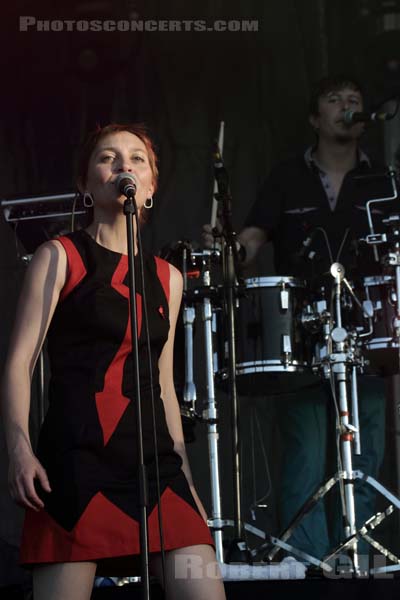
275, 335
287, 337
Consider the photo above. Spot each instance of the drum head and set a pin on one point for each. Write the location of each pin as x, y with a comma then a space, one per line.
271, 347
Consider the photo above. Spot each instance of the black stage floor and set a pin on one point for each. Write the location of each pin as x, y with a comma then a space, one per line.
311, 589
318, 588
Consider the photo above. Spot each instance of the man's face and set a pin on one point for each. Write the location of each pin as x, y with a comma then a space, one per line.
329, 124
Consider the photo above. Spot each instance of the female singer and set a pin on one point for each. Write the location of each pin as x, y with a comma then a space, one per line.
80, 489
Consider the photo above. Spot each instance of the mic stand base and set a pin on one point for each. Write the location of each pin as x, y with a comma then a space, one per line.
238, 552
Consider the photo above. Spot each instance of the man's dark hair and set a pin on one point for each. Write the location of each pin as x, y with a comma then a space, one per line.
331, 84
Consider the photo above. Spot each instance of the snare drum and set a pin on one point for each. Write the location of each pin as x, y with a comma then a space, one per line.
272, 347
381, 349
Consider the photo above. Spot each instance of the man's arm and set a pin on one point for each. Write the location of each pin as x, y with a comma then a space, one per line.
251, 239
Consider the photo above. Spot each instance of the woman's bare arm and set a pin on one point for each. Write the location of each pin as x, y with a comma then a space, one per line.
43, 282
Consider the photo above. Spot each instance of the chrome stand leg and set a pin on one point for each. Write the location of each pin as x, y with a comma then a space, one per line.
211, 416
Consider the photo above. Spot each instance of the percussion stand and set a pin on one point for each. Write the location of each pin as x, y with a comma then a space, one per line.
338, 362
189, 315
392, 259
238, 550
208, 298
204, 296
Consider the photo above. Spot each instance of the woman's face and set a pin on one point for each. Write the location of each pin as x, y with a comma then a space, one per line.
117, 153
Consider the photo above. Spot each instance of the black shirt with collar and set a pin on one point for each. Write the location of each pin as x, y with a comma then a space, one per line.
293, 208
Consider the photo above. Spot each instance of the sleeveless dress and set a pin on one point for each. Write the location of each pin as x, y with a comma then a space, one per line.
87, 443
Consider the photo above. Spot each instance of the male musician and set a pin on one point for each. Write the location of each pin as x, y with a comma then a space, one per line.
312, 209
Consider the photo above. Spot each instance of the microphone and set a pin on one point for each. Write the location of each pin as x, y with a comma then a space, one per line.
351, 117
126, 184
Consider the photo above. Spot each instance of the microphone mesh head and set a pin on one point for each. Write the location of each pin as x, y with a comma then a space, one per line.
125, 179
348, 117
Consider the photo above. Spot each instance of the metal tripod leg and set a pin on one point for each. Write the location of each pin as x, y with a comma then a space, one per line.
306, 508
347, 475
364, 531
339, 368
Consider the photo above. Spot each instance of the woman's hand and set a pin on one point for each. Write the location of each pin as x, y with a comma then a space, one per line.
24, 468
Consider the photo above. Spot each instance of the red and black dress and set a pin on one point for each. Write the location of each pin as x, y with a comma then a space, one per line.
87, 443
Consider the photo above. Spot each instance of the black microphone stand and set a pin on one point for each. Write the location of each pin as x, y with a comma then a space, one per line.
237, 551
130, 209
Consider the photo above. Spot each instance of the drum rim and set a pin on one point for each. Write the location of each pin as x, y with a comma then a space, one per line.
382, 342
274, 281
372, 280
270, 366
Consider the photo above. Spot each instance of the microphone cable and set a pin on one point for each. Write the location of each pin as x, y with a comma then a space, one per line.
145, 323
346, 233
328, 246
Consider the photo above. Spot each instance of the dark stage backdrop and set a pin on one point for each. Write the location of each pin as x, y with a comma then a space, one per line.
58, 85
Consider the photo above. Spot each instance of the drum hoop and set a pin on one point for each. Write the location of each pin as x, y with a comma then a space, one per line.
377, 280
275, 281
260, 365
384, 342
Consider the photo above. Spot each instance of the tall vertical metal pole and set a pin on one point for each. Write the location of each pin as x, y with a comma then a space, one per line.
230, 301
212, 415
340, 369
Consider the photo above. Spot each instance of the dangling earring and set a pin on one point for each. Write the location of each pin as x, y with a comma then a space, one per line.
149, 204
88, 200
